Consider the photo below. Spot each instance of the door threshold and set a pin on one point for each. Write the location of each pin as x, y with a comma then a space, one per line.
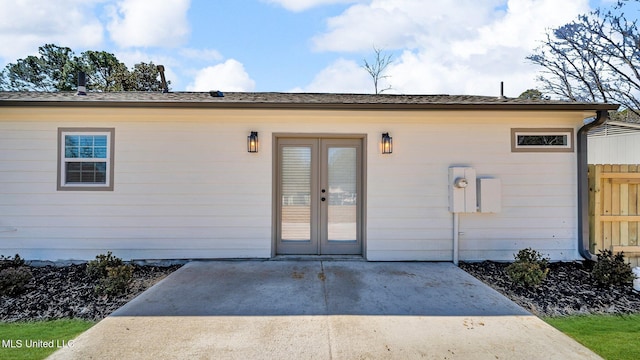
318, 258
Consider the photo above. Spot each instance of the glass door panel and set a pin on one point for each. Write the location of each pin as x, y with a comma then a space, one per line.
297, 196
342, 212
296, 193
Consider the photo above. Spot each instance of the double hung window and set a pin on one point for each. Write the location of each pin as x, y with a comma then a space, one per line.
85, 159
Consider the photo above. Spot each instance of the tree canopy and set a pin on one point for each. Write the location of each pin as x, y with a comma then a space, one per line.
533, 94
594, 58
56, 69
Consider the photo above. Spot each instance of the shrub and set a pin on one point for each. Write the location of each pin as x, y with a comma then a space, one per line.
611, 269
14, 280
14, 275
529, 268
112, 274
8, 262
98, 268
116, 282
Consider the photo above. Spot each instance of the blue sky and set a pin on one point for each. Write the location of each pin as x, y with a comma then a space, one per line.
438, 46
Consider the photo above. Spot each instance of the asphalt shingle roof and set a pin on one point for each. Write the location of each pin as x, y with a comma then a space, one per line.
288, 100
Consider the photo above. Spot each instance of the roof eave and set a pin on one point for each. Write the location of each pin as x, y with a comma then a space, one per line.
316, 106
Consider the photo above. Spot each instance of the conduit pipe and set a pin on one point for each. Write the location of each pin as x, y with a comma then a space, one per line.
583, 184
456, 236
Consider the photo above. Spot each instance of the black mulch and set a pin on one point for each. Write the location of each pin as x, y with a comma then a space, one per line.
569, 289
66, 292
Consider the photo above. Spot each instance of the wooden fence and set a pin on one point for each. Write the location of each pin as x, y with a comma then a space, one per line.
614, 209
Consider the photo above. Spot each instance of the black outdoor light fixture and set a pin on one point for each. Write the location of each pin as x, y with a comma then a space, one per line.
387, 143
252, 142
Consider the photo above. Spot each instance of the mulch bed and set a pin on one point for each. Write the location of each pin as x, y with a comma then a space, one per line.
568, 289
57, 292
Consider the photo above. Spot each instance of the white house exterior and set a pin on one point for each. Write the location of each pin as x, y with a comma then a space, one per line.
615, 143
171, 176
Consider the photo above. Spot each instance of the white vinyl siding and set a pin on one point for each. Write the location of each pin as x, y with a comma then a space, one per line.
188, 188
408, 219
179, 193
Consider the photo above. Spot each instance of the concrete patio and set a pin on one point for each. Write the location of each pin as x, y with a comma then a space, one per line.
322, 310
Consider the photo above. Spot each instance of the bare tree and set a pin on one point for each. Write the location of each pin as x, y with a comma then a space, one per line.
594, 58
377, 68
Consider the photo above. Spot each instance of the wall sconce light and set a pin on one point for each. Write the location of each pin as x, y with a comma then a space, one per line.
252, 142
387, 144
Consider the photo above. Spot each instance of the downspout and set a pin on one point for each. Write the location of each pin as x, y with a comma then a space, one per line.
583, 185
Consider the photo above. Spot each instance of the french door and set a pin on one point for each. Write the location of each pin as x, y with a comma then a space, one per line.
318, 192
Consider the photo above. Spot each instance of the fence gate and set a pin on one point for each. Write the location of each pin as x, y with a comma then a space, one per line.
614, 209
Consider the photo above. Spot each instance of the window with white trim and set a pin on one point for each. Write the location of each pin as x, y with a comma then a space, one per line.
542, 140
85, 159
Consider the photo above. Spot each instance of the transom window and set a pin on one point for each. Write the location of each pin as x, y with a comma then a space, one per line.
542, 140
85, 159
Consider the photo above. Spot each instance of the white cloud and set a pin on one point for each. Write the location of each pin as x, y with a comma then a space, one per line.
130, 58
522, 26
342, 76
301, 5
423, 73
201, 54
25, 25
227, 76
403, 24
142, 23
449, 46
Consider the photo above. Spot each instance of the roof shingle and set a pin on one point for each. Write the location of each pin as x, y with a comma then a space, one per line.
288, 100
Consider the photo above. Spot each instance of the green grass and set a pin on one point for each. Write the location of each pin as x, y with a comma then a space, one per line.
18, 340
610, 336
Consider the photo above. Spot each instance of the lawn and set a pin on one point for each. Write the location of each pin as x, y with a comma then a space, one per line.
610, 336
38, 339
